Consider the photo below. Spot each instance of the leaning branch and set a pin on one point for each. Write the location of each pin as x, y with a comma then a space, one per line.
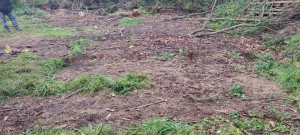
211, 13
207, 20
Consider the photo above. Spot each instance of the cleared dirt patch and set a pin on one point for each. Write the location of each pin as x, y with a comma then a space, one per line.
204, 71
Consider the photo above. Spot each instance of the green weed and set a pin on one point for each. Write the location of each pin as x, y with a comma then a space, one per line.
236, 90
182, 52
127, 22
164, 56
131, 40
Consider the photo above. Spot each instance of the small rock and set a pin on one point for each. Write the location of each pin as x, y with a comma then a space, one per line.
107, 117
136, 13
28, 46
82, 14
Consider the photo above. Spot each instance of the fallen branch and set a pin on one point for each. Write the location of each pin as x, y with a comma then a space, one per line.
224, 30
227, 19
142, 106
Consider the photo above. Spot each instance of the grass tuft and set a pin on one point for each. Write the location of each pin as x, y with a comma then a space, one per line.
77, 45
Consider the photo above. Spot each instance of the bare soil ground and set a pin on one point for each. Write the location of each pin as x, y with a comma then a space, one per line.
205, 71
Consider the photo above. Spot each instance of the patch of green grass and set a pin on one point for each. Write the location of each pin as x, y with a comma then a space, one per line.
35, 27
77, 45
127, 22
25, 75
164, 56
236, 90
122, 85
87, 130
